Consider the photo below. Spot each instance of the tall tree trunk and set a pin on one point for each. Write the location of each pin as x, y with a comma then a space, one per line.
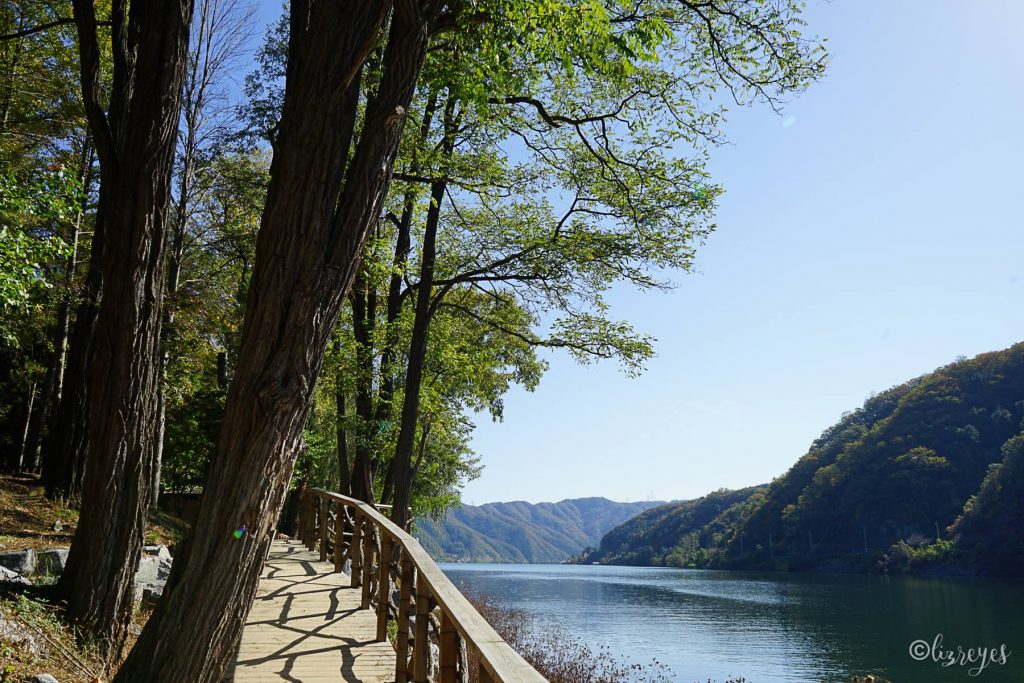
403, 244
210, 52
402, 467
67, 432
307, 254
136, 146
364, 315
23, 449
11, 77
175, 256
88, 175
54, 384
37, 417
344, 461
402, 462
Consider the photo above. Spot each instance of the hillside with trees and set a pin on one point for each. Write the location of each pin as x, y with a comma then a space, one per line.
521, 531
925, 476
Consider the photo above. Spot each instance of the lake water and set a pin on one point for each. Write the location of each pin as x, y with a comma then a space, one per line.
767, 627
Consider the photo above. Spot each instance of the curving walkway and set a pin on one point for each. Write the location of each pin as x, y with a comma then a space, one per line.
306, 625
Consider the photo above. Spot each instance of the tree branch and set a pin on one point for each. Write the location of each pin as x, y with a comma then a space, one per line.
89, 55
25, 33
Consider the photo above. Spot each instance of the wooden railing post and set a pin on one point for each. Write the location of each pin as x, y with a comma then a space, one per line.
325, 525
404, 600
368, 532
339, 537
461, 631
313, 509
357, 548
449, 655
383, 587
421, 648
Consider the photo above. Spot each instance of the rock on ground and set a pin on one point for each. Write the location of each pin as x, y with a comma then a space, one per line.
52, 561
21, 561
151, 576
8, 576
157, 550
44, 678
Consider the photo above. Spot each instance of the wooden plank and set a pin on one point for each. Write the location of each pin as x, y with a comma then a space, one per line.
305, 625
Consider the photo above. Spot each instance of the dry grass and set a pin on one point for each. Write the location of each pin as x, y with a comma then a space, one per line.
28, 519
57, 652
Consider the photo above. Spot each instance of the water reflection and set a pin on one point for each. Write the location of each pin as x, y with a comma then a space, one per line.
769, 628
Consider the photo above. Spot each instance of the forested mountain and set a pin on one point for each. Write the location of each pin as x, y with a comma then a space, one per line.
523, 532
686, 529
926, 475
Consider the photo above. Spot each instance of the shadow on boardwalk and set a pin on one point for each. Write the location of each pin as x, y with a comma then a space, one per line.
305, 625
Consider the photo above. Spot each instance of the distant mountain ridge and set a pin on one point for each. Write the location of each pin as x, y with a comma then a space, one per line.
524, 532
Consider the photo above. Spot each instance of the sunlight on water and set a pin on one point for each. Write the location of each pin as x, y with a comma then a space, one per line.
769, 628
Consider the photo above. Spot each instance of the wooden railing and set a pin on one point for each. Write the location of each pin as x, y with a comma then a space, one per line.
430, 610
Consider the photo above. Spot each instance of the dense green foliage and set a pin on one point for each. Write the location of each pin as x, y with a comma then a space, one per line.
45, 167
988, 533
682, 534
924, 476
522, 532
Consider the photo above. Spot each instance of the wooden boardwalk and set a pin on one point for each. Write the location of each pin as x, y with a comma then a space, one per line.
306, 625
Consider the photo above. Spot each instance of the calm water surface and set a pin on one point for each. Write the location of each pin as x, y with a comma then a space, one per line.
766, 627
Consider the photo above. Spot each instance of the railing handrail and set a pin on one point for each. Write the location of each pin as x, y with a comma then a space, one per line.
499, 662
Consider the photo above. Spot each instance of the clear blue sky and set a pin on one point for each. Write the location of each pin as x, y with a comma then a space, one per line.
874, 239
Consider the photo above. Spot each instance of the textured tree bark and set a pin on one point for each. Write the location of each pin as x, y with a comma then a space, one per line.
136, 158
307, 254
